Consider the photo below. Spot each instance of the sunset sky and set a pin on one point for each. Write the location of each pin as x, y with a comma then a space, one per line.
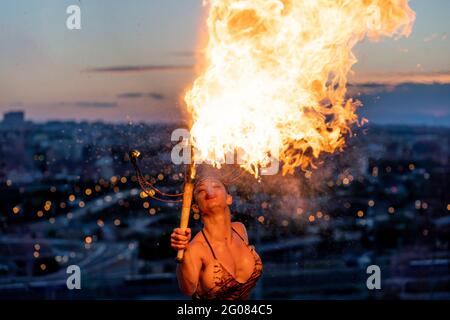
132, 60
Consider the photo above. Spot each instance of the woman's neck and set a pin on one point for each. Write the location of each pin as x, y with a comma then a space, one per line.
218, 226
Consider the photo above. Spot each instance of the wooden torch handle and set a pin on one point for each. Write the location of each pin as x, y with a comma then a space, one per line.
186, 207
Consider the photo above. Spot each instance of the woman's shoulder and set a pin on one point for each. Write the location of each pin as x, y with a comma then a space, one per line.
198, 240
240, 228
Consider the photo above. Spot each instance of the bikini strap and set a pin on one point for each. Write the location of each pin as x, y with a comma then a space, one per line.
209, 245
239, 235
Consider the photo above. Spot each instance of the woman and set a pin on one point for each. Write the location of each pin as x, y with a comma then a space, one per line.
218, 263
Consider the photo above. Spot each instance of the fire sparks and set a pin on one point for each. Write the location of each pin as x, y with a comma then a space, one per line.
274, 79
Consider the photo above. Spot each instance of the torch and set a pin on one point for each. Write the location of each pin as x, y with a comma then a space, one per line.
186, 206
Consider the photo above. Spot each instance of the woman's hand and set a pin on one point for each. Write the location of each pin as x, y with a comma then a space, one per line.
179, 239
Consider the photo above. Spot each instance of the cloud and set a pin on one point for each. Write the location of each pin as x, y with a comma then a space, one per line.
136, 95
138, 68
436, 36
397, 78
156, 96
431, 37
130, 95
369, 88
95, 104
374, 83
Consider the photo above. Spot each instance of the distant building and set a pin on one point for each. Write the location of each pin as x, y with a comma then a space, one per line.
14, 118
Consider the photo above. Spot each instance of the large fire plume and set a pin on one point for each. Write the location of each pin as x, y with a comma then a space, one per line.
274, 76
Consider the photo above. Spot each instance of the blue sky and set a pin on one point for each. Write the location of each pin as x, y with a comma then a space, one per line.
107, 70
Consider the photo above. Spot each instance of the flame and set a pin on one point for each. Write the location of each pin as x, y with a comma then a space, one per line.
275, 75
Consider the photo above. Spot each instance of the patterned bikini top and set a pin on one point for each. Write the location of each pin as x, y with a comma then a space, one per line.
226, 287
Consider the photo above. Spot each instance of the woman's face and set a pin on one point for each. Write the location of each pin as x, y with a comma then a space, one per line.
211, 194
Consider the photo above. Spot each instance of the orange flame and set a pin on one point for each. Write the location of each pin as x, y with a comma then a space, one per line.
274, 82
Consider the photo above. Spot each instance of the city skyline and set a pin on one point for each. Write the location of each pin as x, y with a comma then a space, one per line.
132, 61
71, 197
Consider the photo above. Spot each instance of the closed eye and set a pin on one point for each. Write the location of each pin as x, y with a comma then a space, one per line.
200, 191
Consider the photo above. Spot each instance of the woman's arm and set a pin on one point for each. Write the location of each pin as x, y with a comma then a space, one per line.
188, 271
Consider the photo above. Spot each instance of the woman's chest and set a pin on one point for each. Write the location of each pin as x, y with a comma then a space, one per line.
236, 263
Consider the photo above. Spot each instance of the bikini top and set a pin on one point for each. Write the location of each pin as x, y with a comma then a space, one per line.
226, 287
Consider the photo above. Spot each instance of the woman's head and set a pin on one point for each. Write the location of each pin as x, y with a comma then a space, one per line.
210, 195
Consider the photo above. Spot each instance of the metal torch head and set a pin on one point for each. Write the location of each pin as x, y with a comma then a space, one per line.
134, 154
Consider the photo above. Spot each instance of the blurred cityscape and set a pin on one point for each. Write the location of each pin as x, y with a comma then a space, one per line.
69, 196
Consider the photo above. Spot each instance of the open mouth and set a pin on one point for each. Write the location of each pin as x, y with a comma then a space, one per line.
211, 198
